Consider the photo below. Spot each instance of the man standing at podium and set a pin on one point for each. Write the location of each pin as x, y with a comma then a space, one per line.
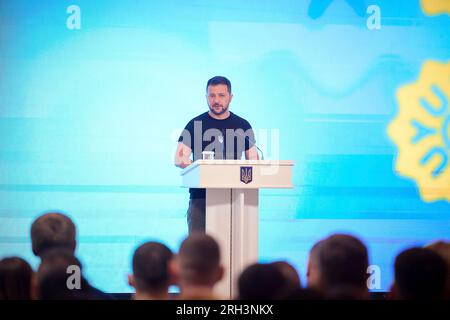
217, 130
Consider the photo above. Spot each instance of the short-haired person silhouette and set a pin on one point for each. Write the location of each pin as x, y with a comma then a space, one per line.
290, 274
337, 267
151, 276
218, 130
198, 267
442, 248
15, 279
420, 274
264, 281
52, 230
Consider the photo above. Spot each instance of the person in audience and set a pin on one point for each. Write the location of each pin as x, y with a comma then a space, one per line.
60, 277
443, 249
51, 279
198, 267
337, 268
15, 279
52, 230
56, 230
261, 281
289, 273
151, 276
420, 274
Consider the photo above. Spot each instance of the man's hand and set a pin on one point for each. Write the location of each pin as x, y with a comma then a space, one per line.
252, 154
183, 164
183, 156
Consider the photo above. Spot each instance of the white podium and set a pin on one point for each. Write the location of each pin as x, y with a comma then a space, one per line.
232, 208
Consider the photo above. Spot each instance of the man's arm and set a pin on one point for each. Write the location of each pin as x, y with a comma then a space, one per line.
183, 156
252, 154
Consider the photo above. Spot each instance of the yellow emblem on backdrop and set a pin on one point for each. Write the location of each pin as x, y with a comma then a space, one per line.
434, 7
421, 131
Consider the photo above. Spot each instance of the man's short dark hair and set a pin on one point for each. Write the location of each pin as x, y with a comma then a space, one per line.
150, 266
289, 272
342, 260
199, 258
420, 274
219, 80
442, 248
52, 230
263, 282
15, 279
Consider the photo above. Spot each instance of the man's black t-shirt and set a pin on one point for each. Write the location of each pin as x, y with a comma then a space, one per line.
228, 138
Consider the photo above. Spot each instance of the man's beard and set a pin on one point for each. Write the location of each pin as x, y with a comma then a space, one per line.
218, 113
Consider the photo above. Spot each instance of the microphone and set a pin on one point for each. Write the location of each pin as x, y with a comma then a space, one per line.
251, 142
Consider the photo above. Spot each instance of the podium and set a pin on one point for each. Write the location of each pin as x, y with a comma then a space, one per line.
232, 208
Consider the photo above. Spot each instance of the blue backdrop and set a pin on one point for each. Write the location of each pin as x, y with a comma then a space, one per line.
93, 95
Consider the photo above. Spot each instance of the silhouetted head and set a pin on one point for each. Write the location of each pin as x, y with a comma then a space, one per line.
420, 274
442, 248
263, 282
52, 230
15, 279
289, 273
199, 260
339, 261
151, 267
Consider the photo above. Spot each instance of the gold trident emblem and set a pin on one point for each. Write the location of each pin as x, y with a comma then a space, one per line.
246, 174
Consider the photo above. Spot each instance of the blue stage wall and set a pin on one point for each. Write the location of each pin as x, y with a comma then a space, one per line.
93, 95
